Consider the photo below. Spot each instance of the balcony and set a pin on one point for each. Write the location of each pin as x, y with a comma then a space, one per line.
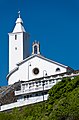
37, 85
36, 88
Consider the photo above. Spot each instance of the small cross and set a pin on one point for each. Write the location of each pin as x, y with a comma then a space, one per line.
19, 13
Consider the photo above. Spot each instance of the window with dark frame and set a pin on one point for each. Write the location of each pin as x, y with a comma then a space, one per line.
57, 69
35, 49
15, 37
36, 71
15, 48
24, 97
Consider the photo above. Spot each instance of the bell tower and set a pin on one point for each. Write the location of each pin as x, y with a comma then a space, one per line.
36, 48
18, 44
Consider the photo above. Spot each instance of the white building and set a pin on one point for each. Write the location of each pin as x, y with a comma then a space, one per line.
36, 73
23, 67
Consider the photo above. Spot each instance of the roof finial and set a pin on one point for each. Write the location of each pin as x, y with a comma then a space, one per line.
19, 13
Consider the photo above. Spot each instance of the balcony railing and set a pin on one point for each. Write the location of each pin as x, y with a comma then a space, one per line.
34, 89
35, 86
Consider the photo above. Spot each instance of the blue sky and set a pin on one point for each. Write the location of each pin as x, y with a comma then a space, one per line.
54, 23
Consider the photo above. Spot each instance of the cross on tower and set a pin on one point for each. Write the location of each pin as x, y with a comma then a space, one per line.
19, 13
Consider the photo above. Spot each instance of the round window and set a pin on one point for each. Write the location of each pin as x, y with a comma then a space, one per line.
35, 71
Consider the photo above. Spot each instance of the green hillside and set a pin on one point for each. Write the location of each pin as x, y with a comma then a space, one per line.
62, 104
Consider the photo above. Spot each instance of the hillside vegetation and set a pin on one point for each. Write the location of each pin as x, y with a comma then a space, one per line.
62, 104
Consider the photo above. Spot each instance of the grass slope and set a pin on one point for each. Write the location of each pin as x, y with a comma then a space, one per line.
62, 104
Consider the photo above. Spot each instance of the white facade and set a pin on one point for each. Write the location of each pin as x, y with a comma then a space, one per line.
23, 102
25, 69
18, 44
22, 67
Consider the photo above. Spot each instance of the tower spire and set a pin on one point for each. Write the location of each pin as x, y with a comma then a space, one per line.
19, 25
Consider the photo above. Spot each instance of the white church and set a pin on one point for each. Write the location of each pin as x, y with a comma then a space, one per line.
22, 65
36, 73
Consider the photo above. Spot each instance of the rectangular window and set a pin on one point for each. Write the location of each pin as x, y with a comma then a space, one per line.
50, 81
15, 48
39, 83
23, 86
24, 97
27, 96
15, 37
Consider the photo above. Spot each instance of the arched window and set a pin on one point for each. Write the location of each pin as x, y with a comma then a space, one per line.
35, 49
57, 69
